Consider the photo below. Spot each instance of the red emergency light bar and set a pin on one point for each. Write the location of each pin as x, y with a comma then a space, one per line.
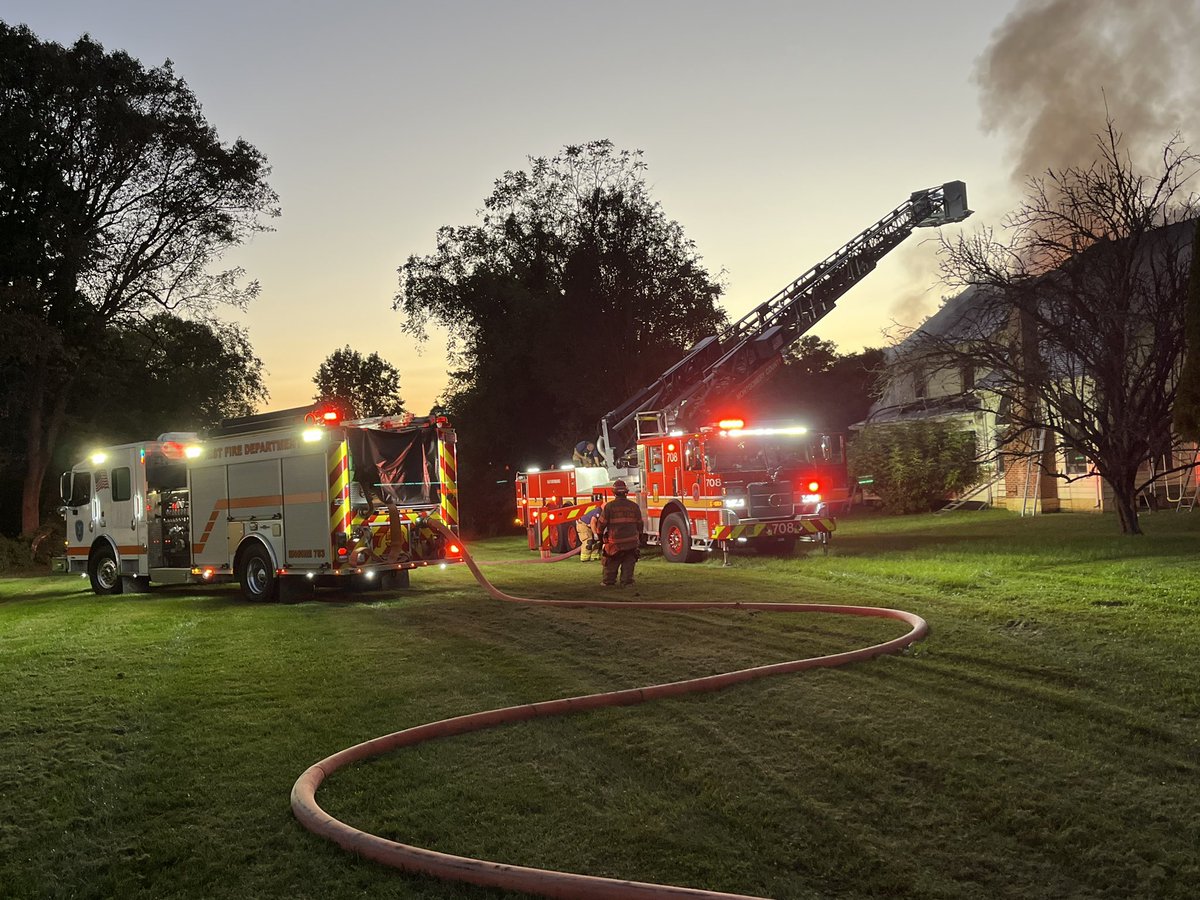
731, 424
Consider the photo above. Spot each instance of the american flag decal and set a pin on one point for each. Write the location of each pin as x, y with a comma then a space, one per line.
102, 480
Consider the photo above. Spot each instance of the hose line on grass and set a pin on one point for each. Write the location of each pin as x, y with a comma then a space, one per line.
543, 881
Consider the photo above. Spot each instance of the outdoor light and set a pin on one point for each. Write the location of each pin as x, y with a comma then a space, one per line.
98, 458
310, 576
312, 434
533, 469
192, 452
735, 502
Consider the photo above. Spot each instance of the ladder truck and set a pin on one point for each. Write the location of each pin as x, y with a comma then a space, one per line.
279, 502
704, 482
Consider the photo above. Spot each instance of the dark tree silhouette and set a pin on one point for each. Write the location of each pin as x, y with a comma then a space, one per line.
116, 197
360, 386
820, 387
572, 291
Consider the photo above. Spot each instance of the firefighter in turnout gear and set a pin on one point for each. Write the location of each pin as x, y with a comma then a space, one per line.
620, 525
589, 537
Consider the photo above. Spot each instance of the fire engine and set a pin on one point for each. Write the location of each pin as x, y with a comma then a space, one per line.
705, 482
279, 502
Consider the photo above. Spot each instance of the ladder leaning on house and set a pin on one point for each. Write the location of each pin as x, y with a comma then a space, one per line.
1033, 477
972, 494
1187, 501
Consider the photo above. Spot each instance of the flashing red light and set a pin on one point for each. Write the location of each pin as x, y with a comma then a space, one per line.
731, 424
670, 448
343, 551
172, 450
330, 415
814, 486
454, 549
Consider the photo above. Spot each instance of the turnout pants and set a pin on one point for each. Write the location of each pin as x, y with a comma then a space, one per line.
622, 561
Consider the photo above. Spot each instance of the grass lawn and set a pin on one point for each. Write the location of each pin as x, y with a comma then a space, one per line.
1044, 742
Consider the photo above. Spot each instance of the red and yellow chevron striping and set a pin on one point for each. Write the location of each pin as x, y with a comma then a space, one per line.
798, 527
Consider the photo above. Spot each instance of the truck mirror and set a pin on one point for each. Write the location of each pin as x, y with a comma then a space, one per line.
64, 488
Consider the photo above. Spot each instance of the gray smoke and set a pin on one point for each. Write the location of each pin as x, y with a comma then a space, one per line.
1054, 65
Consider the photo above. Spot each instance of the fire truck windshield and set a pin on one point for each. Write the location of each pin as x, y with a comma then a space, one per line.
758, 452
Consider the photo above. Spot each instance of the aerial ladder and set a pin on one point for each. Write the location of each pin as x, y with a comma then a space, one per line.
728, 365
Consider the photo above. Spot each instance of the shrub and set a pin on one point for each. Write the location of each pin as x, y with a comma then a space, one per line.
915, 465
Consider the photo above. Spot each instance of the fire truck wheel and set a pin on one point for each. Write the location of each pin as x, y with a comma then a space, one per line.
256, 575
560, 539
103, 571
677, 541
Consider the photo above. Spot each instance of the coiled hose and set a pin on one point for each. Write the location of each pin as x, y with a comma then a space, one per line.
542, 881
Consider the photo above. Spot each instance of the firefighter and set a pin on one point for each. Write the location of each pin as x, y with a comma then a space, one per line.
585, 454
620, 525
589, 537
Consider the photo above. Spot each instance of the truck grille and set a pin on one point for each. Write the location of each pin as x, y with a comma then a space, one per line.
770, 500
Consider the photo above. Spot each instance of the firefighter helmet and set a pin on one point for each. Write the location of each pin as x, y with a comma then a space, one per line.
619, 487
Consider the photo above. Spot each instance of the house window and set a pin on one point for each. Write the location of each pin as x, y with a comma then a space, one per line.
1075, 463
920, 386
967, 373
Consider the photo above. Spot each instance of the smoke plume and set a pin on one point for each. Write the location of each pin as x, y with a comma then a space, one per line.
1055, 65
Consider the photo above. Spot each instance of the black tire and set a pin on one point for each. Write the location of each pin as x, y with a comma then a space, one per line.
103, 571
560, 538
676, 540
256, 574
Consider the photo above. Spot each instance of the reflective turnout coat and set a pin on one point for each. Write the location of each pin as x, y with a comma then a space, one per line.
621, 524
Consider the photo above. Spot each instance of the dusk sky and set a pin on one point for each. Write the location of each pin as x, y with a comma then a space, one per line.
773, 132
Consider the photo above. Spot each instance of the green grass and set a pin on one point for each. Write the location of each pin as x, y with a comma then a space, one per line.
1044, 742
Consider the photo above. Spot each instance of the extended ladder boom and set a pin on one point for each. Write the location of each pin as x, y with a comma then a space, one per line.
747, 352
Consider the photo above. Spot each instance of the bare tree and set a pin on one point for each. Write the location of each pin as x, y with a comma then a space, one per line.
1075, 321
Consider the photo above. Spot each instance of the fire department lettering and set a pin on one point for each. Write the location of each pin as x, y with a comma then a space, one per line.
253, 448
306, 554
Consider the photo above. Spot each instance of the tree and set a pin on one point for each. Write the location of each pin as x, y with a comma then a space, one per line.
1187, 395
914, 465
819, 386
116, 198
360, 386
1078, 321
170, 374
572, 291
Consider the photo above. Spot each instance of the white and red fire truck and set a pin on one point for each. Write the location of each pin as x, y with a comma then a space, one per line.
278, 501
705, 482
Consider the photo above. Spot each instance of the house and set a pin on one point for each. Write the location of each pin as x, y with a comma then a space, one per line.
936, 374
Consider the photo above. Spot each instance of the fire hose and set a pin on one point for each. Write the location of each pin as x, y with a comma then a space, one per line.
543, 881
